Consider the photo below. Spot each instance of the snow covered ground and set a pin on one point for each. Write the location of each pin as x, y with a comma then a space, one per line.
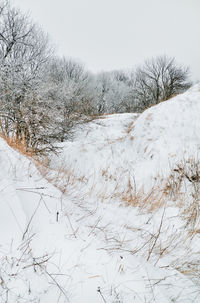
114, 219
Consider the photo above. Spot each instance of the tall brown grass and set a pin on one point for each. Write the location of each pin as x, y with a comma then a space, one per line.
19, 145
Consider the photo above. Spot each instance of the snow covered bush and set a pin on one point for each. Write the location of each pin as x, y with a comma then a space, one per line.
69, 90
24, 52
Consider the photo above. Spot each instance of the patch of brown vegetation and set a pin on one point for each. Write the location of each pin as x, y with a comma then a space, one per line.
130, 127
19, 145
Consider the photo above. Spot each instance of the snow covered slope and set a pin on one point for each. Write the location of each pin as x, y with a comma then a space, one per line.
117, 152
68, 235
168, 133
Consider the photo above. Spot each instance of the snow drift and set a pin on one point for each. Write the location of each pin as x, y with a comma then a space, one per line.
67, 235
121, 151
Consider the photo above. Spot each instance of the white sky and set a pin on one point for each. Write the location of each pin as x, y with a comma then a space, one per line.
115, 34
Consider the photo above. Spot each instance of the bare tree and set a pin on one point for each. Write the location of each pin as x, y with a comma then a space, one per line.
159, 79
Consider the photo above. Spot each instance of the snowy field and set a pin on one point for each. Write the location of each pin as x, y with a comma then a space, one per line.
114, 219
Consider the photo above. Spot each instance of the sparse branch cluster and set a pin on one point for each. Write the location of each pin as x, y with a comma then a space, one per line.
42, 96
158, 80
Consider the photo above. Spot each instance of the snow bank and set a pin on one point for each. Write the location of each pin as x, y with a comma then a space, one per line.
167, 133
119, 150
72, 245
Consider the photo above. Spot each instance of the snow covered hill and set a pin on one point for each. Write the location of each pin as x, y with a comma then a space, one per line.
114, 219
119, 152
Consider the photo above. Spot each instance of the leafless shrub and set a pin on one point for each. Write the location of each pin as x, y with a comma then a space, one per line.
159, 79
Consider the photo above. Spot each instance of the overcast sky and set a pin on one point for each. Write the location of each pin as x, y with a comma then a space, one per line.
116, 34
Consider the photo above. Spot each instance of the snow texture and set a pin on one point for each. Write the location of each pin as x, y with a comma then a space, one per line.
70, 236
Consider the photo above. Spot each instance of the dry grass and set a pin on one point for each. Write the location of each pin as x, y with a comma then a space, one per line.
183, 187
61, 178
19, 145
112, 141
130, 127
175, 187
150, 201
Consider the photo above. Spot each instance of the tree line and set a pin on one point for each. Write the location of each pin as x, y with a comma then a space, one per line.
42, 96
